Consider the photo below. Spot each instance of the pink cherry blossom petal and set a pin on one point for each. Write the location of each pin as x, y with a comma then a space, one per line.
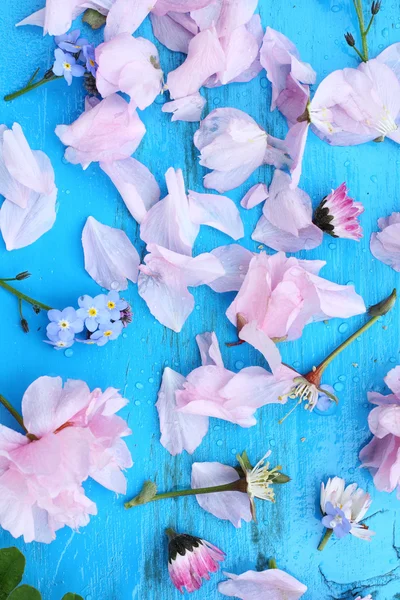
241, 50
254, 26
110, 257
385, 245
254, 336
230, 506
209, 349
256, 194
186, 109
178, 431
257, 585
135, 183
171, 34
37, 18
295, 141
181, 233
125, 16
219, 212
310, 237
235, 261
205, 57
111, 130
181, 6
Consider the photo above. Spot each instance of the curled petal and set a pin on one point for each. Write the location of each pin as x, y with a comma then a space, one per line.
219, 212
110, 257
257, 585
257, 194
209, 349
385, 245
186, 109
235, 261
256, 337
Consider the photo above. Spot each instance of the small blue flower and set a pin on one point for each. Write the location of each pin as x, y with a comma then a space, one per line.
93, 311
336, 519
64, 324
71, 42
65, 65
60, 344
107, 332
88, 53
114, 305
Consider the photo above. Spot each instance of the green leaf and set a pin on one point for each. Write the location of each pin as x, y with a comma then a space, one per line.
71, 596
93, 18
147, 494
12, 565
25, 592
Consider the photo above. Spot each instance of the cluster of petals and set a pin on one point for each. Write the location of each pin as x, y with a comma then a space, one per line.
258, 585
234, 146
382, 454
222, 41
351, 502
385, 244
73, 434
27, 184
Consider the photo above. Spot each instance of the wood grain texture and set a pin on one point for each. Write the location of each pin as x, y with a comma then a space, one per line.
122, 555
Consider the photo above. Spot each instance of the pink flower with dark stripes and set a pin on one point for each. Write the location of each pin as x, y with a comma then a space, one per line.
338, 215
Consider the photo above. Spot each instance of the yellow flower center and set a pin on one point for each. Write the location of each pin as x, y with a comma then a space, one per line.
110, 305
67, 66
92, 312
91, 62
64, 324
107, 333
61, 344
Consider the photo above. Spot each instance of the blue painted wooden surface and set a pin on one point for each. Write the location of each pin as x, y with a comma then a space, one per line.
122, 555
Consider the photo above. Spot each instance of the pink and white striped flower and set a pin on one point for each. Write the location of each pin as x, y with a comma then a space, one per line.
190, 560
338, 215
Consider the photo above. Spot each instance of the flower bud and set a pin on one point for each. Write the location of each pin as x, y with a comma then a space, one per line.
36, 310
350, 39
384, 306
147, 494
23, 275
24, 325
376, 7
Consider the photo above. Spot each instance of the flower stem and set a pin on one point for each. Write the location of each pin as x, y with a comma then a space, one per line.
227, 487
325, 539
380, 309
363, 31
30, 86
13, 412
23, 297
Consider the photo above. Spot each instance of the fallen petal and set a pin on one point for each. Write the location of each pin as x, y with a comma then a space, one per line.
219, 212
257, 194
186, 109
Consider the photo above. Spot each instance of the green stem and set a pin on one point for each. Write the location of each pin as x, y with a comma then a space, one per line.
358, 53
272, 563
24, 297
13, 412
227, 487
363, 32
30, 86
325, 539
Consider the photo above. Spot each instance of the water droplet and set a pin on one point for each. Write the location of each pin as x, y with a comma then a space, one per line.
272, 443
356, 379
142, 340
197, 307
217, 101
374, 179
351, 470
350, 283
124, 335
326, 57
385, 32
397, 26
234, 451
68, 353
137, 402
67, 191
343, 328
332, 246
217, 427
391, 359
296, 364
346, 163
342, 377
151, 380
336, 8
139, 386
239, 365
264, 83
114, 285
219, 442
339, 387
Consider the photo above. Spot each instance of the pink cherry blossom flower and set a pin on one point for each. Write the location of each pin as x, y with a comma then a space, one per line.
72, 434
382, 454
190, 560
130, 65
287, 222
257, 585
354, 106
232, 144
109, 131
385, 244
338, 215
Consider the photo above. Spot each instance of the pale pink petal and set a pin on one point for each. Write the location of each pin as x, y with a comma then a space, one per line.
181, 6
280, 57
47, 404
293, 99
233, 14
273, 584
337, 300
130, 65
186, 109
241, 50
163, 287
111, 130
256, 194
310, 237
205, 57
385, 245
295, 141
125, 16
209, 349
219, 212
21, 227
37, 18
110, 257
170, 33
10, 188
230, 506
135, 183
181, 233
392, 380
254, 336
178, 431
382, 458
235, 260
31, 169
207, 16
254, 26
